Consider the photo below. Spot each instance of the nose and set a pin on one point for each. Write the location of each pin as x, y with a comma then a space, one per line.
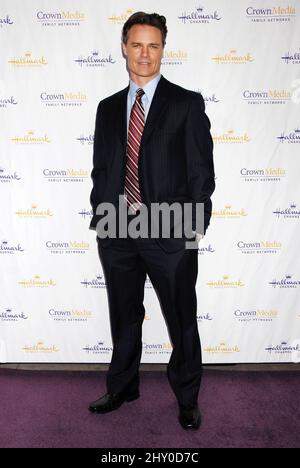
144, 51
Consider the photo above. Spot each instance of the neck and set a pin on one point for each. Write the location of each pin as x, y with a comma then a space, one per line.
141, 81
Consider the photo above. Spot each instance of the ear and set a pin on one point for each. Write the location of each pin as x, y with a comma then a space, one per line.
124, 49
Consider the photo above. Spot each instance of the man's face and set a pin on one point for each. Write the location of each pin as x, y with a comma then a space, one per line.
144, 51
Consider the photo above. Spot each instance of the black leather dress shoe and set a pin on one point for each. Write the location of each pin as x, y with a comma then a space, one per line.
189, 417
112, 401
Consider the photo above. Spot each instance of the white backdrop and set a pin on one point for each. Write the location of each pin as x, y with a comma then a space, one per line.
58, 58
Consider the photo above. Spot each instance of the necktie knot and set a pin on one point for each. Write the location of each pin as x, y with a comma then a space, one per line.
139, 93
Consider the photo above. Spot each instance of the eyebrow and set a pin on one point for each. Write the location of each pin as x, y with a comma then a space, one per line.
140, 43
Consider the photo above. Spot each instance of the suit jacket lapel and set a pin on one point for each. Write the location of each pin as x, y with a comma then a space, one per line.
121, 116
158, 105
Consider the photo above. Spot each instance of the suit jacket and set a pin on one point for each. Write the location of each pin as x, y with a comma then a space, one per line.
175, 159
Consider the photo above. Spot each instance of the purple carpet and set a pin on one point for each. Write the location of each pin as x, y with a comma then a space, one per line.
239, 409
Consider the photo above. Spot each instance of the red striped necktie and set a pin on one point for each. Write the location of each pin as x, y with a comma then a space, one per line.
135, 132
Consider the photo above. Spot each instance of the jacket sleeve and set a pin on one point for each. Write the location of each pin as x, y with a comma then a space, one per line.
98, 173
199, 157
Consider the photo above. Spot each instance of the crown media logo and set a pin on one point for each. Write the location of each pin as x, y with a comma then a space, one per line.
72, 315
199, 15
64, 99
291, 212
65, 175
286, 282
232, 58
67, 248
157, 348
225, 283
174, 57
33, 212
7, 178
230, 137
269, 174
291, 137
267, 97
28, 60
256, 315
94, 59
259, 248
60, 18
9, 249
271, 14
31, 139
37, 282
6, 102
9, 315
291, 57
6, 21
229, 213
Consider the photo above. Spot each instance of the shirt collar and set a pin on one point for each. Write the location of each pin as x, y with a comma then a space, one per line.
149, 88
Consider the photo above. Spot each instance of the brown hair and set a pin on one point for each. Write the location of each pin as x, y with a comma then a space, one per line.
150, 19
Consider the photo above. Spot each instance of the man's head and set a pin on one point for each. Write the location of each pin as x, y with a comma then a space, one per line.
143, 41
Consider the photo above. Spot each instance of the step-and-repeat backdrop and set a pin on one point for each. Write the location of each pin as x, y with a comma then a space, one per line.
58, 58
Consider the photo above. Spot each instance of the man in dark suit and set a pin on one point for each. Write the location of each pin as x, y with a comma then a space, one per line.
152, 145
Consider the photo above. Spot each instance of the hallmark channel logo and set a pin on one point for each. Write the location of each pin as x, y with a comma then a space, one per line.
121, 17
291, 212
208, 98
98, 348
174, 57
69, 315
267, 96
157, 348
60, 18
286, 282
94, 59
28, 60
229, 212
98, 282
86, 140
85, 213
8, 177
292, 137
199, 15
201, 318
30, 138
5, 21
9, 315
222, 348
291, 57
40, 347
34, 212
256, 315
231, 138
37, 282
67, 248
232, 58
259, 247
9, 249
6, 102
205, 250
268, 174
64, 99
68, 175
225, 283
271, 14
283, 348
